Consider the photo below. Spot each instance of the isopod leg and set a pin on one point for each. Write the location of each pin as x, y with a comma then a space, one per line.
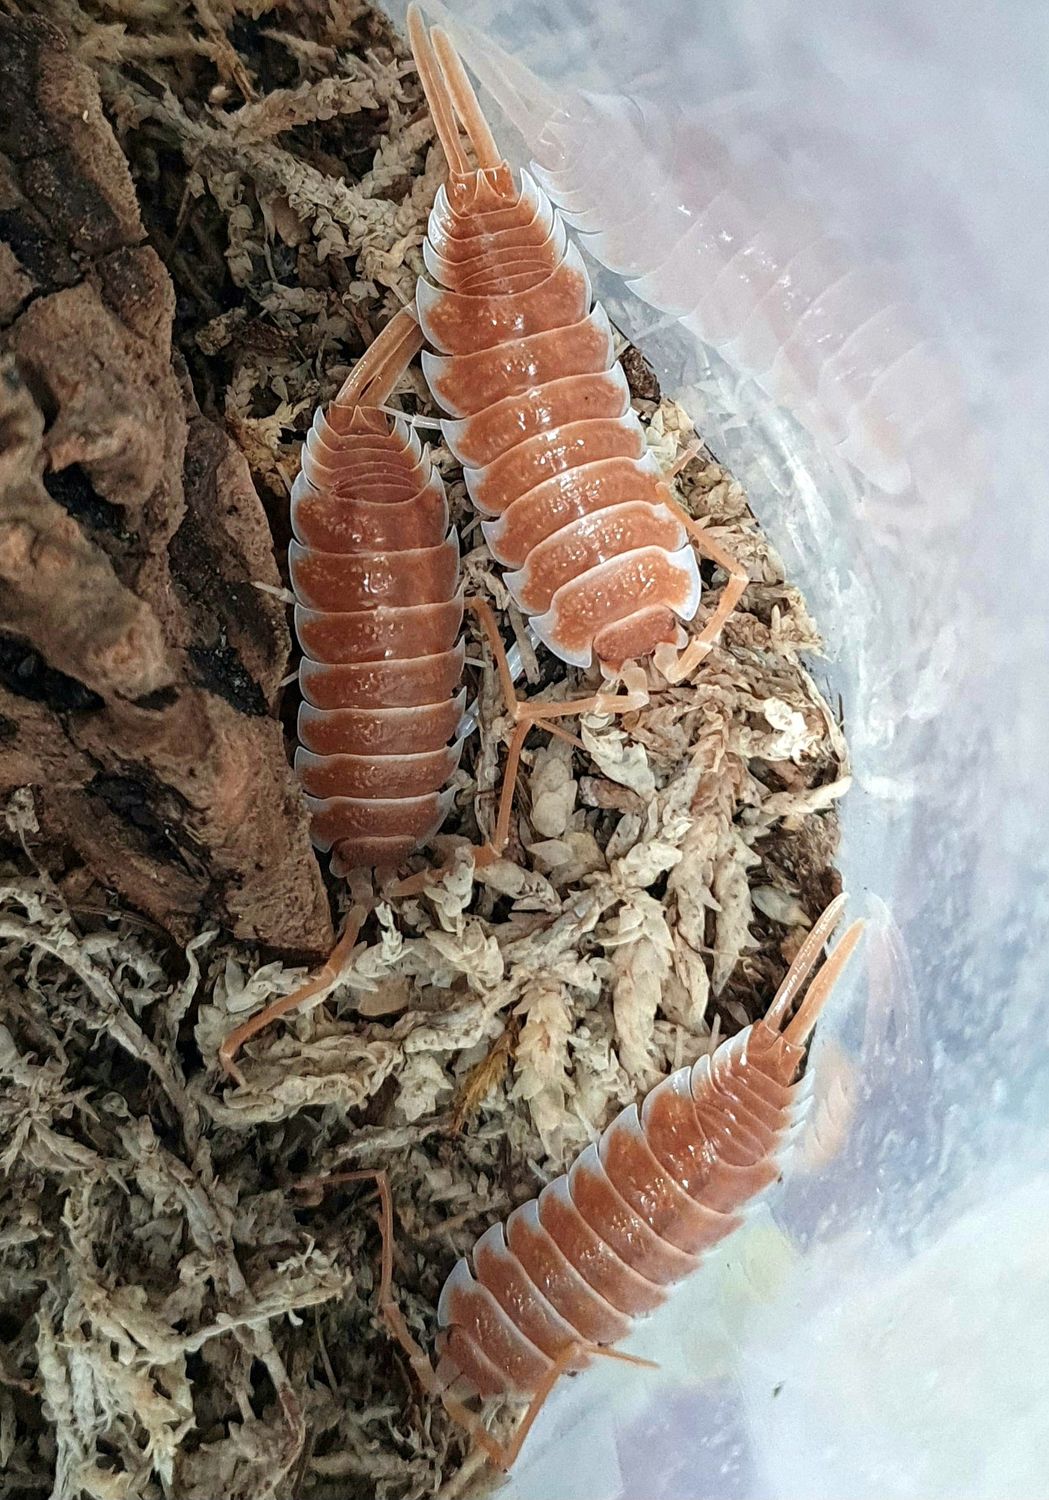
697, 648
506, 1455
391, 1313
529, 715
684, 458
503, 1456
314, 988
526, 716
415, 885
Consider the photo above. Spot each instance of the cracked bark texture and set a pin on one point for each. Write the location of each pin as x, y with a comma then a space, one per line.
139, 662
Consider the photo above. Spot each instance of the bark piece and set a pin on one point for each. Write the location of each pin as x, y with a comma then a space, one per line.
57, 589
139, 662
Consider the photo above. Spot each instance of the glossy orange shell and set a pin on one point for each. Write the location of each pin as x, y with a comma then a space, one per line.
379, 607
603, 1243
541, 421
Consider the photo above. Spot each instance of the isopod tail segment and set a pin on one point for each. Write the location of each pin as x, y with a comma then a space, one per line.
780, 1034
602, 555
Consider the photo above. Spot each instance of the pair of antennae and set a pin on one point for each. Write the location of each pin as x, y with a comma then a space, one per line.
372, 380
451, 97
805, 960
453, 103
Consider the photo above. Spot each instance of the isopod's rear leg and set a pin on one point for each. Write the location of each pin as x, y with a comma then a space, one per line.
315, 988
502, 1455
677, 669
797, 1030
528, 716
804, 961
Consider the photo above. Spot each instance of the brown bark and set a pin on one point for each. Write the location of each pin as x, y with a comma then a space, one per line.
139, 663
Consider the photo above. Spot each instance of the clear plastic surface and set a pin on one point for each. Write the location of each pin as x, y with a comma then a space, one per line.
827, 226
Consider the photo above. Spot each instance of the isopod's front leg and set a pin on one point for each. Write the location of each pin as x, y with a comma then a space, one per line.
391, 1313
526, 716
506, 1455
499, 1454
503, 1456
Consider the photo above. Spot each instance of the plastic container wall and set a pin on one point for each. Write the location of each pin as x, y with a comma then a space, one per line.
826, 228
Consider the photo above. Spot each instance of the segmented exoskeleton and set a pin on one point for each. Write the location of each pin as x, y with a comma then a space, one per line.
600, 1246
379, 607
378, 611
598, 550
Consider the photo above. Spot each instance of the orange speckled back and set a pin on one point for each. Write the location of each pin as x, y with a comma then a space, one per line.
379, 607
552, 453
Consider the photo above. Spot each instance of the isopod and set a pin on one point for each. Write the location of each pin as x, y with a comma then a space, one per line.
378, 612
599, 555
571, 1270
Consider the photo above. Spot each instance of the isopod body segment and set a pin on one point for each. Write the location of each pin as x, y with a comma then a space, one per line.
378, 612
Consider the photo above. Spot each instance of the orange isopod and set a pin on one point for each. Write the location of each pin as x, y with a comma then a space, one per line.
571, 1270
378, 611
598, 552
378, 614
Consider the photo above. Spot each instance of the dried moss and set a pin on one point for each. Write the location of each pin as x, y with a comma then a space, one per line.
176, 1318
